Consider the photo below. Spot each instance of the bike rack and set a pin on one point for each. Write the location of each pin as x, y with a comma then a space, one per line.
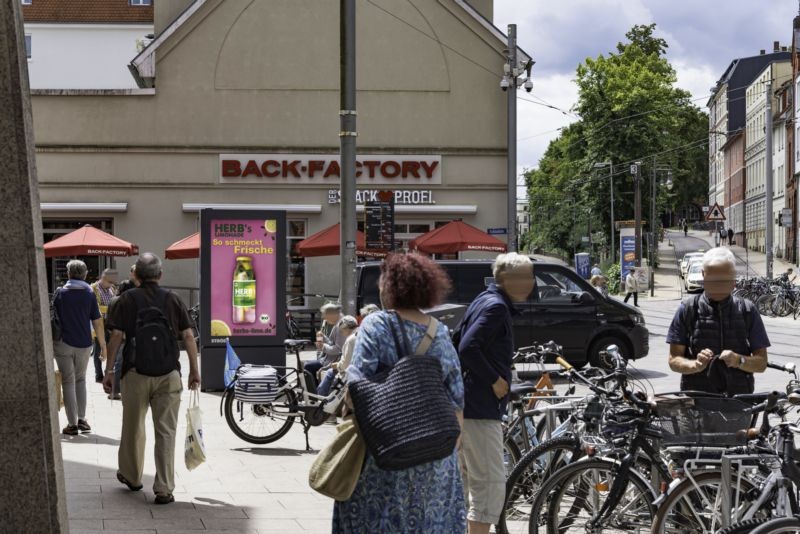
725, 488
550, 410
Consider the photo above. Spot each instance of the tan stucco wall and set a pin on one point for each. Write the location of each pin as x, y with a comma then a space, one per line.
262, 77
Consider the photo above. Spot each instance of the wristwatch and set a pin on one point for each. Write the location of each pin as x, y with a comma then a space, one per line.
741, 361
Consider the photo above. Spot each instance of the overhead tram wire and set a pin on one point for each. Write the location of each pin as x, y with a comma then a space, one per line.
655, 110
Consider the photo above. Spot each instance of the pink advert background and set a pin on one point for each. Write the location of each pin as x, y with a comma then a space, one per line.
223, 263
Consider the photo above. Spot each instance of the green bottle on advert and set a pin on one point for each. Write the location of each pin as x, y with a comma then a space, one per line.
244, 291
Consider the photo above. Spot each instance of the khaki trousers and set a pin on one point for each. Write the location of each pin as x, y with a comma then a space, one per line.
162, 394
482, 469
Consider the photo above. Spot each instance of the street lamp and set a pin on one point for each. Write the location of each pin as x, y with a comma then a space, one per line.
610, 166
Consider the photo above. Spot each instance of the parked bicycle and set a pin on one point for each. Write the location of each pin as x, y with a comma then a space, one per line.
260, 411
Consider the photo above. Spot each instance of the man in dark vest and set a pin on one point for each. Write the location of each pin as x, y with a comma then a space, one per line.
716, 340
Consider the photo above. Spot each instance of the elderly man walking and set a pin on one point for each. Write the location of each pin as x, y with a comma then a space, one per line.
718, 340
77, 309
486, 348
150, 373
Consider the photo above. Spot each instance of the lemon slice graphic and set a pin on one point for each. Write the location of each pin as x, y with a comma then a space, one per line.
220, 328
271, 226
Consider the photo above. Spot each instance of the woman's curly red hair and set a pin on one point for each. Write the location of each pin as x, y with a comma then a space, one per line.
412, 281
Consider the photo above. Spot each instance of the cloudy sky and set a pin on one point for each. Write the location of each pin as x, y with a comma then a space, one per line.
703, 37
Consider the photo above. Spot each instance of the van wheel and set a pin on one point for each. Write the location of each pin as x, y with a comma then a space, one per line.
600, 345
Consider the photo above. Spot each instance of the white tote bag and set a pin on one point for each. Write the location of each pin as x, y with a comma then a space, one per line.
194, 450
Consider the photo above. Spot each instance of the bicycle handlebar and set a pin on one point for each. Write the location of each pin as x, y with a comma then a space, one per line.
786, 368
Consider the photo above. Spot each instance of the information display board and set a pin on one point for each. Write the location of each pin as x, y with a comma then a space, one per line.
242, 286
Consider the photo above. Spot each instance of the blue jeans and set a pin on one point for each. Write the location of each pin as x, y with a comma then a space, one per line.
115, 389
327, 381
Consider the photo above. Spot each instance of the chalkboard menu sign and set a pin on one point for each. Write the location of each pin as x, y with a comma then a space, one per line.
379, 222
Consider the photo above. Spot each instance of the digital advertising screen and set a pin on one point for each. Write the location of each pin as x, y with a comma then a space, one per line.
243, 277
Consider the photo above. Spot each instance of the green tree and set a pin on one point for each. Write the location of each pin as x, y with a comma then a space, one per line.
630, 110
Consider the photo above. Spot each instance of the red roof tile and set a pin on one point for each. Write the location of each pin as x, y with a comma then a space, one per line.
87, 12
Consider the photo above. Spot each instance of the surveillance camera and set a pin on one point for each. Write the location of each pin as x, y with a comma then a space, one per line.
528, 85
504, 84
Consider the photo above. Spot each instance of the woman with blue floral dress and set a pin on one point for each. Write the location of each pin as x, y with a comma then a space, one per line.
427, 498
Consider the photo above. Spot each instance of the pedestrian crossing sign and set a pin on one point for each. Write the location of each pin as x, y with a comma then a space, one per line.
715, 213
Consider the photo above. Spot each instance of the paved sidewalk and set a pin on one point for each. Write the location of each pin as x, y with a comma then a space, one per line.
241, 488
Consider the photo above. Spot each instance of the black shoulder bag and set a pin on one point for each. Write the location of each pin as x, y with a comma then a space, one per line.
405, 415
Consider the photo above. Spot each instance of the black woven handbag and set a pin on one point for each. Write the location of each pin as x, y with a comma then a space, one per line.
405, 415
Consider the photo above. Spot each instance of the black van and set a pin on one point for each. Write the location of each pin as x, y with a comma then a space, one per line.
563, 307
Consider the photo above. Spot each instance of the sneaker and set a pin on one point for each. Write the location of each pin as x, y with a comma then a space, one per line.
70, 430
83, 425
164, 498
117, 396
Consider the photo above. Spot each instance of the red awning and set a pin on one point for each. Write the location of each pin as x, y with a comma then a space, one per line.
456, 236
184, 249
327, 241
89, 241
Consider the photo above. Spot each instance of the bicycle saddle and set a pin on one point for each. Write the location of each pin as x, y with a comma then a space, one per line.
523, 388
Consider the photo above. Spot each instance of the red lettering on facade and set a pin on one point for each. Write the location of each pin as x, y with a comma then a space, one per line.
358, 169
411, 168
251, 170
290, 168
315, 165
332, 170
231, 168
265, 168
429, 168
390, 169
371, 165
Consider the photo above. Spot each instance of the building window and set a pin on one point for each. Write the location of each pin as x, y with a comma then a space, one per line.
140, 2
28, 43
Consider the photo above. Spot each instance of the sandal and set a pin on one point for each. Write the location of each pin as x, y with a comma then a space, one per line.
164, 498
125, 481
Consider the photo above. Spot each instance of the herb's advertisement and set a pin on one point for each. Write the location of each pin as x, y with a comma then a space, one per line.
242, 276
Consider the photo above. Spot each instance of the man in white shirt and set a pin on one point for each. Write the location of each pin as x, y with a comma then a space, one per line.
632, 287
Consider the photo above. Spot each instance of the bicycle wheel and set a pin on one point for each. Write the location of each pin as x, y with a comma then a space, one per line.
694, 505
573, 496
782, 525
260, 423
764, 305
528, 475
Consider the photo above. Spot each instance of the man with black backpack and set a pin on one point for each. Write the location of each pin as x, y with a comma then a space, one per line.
717, 340
151, 319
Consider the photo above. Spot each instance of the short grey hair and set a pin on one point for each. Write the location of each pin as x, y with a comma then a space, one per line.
369, 308
509, 262
330, 307
148, 267
348, 321
717, 257
109, 273
76, 270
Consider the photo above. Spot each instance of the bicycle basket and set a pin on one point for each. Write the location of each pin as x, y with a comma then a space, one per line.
709, 421
256, 384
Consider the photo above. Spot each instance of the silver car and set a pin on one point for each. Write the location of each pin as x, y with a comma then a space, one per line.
687, 258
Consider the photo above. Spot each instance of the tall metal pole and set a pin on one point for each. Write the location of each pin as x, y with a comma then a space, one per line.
769, 179
637, 211
613, 237
652, 255
347, 143
511, 222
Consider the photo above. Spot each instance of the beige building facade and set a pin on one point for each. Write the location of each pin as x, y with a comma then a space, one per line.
238, 108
